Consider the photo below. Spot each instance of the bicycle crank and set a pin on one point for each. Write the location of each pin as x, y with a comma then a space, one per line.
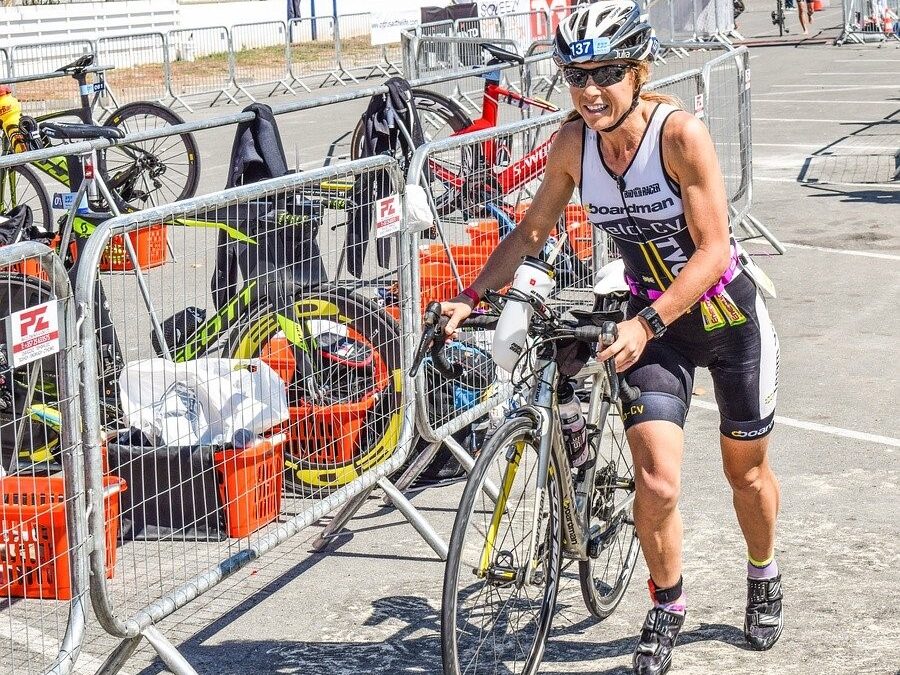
602, 539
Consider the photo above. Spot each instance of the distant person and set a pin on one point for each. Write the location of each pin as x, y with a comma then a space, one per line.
805, 10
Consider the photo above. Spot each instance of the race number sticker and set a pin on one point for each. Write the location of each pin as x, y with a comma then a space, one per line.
594, 47
698, 105
387, 216
64, 200
33, 333
91, 88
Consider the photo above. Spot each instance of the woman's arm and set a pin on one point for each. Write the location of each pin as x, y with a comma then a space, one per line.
529, 236
690, 158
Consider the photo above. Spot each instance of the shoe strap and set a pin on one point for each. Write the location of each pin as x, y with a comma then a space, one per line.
660, 623
764, 590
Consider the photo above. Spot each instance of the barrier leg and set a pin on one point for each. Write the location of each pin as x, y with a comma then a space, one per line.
468, 462
168, 653
415, 468
341, 518
120, 656
416, 519
764, 231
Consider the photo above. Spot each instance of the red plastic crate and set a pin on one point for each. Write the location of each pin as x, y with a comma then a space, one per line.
149, 245
34, 559
250, 484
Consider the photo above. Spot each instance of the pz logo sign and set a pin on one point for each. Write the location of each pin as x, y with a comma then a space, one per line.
33, 333
387, 216
33, 320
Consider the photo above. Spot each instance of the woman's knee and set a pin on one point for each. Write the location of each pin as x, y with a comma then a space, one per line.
658, 490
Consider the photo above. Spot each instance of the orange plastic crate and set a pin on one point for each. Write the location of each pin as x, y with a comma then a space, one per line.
35, 562
149, 245
328, 435
250, 484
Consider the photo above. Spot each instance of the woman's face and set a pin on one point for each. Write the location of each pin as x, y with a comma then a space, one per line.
601, 105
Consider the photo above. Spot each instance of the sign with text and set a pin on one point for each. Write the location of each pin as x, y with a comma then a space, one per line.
387, 216
386, 27
33, 333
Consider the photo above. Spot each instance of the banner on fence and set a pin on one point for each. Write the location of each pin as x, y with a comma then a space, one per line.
386, 27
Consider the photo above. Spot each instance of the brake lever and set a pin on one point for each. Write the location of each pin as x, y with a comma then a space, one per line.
431, 322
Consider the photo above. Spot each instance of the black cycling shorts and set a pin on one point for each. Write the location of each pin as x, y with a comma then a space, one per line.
742, 357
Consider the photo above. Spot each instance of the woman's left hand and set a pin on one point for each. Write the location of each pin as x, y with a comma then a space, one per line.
629, 346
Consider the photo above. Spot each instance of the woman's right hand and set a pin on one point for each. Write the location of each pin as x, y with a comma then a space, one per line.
457, 309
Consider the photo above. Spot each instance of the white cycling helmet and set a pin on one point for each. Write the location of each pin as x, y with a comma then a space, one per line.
604, 31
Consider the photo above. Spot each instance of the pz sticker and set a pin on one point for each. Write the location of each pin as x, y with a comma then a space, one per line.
33, 333
387, 216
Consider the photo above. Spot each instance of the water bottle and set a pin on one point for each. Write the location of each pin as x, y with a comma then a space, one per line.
574, 426
10, 115
534, 277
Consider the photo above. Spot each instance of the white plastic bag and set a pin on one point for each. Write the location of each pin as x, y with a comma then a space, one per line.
201, 402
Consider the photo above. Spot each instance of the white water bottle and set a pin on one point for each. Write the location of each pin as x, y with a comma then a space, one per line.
534, 277
573, 426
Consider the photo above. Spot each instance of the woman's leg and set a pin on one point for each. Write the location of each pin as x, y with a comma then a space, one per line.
756, 493
657, 448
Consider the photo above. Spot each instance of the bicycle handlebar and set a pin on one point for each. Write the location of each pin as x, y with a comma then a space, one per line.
433, 340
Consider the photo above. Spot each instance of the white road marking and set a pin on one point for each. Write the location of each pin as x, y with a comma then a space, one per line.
867, 72
825, 249
822, 428
30, 637
757, 99
807, 119
891, 61
772, 179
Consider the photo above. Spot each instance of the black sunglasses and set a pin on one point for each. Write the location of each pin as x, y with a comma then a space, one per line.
603, 76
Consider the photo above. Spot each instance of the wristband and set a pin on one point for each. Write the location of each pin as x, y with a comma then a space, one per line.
472, 294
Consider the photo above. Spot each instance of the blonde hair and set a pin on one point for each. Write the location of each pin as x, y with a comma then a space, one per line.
641, 70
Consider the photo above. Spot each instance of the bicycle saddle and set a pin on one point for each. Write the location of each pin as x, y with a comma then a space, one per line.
502, 54
78, 132
77, 66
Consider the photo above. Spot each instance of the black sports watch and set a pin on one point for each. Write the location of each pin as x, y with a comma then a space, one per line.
652, 318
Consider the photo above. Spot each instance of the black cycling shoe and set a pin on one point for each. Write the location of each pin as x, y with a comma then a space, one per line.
653, 655
764, 621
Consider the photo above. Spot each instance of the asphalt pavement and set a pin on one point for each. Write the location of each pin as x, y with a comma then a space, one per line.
826, 137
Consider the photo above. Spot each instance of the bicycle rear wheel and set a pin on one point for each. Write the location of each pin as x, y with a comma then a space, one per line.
614, 544
153, 172
21, 185
497, 605
354, 349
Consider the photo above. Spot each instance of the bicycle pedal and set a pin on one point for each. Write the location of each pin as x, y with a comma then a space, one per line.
601, 540
500, 574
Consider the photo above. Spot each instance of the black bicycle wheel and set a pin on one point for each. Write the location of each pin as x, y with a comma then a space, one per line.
354, 349
21, 185
441, 118
614, 544
498, 604
29, 440
153, 172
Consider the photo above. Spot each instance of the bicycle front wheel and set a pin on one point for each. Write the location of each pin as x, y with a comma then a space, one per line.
497, 602
149, 173
614, 544
353, 348
21, 185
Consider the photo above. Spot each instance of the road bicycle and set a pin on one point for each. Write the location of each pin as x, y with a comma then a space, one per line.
453, 185
778, 18
337, 351
140, 174
525, 510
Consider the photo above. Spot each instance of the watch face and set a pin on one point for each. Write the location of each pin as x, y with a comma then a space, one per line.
656, 324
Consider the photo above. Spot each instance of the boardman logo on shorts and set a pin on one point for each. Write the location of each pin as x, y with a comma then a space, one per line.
754, 433
632, 208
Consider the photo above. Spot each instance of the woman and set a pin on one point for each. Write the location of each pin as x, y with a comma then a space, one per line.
648, 175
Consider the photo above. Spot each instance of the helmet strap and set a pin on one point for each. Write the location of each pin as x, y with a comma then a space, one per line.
618, 122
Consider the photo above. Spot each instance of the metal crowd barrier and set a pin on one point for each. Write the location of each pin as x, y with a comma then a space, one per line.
312, 51
43, 566
692, 20
336, 449
357, 53
210, 47
262, 53
37, 95
867, 22
140, 66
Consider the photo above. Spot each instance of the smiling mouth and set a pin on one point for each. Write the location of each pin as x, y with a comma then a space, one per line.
598, 109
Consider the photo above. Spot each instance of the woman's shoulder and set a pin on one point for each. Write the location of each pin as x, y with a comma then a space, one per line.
682, 128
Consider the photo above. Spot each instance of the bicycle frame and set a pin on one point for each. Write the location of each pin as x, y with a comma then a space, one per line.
541, 408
